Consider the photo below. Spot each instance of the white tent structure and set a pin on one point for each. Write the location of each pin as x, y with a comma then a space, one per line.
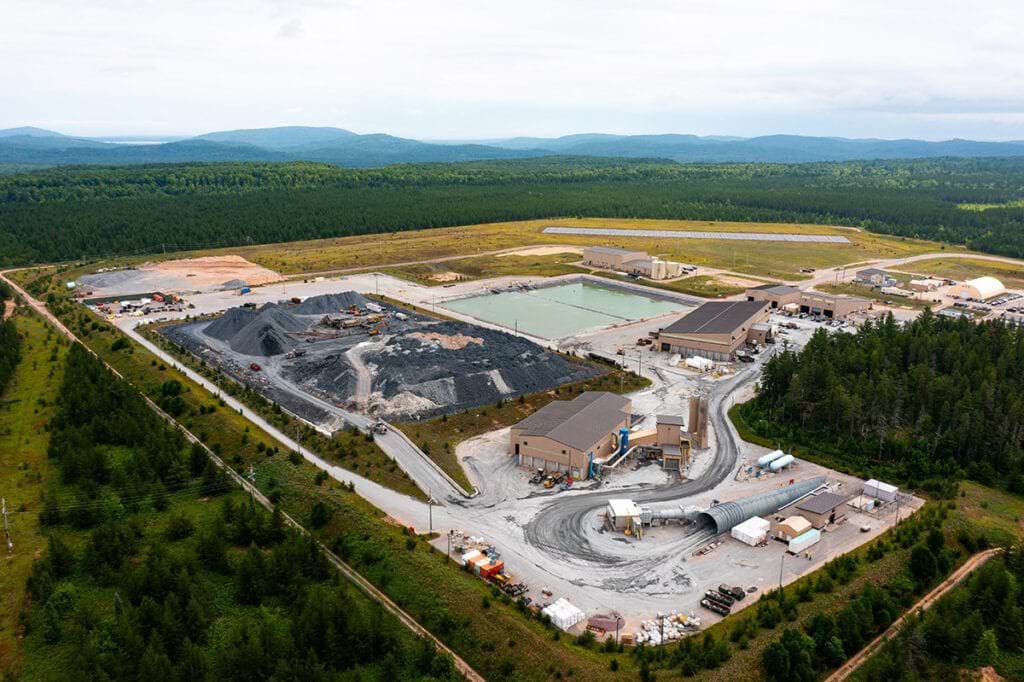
753, 531
982, 288
563, 614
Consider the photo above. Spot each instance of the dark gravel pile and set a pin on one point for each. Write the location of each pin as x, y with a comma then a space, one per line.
503, 366
267, 333
326, 304
230, 323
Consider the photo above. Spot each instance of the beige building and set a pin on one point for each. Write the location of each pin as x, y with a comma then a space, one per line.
610, 257
631, 262
714, 330
789, 527
784, 296
562, 435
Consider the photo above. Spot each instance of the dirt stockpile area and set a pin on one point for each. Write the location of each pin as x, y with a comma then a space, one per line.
383, 361
456, 366
209, 273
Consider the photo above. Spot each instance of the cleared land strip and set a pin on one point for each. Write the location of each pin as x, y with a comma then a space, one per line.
359, 581
686, 234
923, 604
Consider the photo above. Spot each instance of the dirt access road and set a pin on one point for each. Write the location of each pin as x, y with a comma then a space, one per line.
958, 576
360, 582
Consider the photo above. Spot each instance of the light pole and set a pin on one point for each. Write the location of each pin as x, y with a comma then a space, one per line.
376, 283
782, 562
430, 511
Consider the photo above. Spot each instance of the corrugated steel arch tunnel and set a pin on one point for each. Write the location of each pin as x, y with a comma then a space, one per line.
728, 514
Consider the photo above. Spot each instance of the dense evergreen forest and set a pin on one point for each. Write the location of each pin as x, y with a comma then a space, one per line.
10, 343
977, 625
68, 213
149, 577
936, 399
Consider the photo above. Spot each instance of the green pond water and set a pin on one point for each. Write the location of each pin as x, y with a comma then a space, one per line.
562, 310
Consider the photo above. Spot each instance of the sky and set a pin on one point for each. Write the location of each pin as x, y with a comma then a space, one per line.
482, 69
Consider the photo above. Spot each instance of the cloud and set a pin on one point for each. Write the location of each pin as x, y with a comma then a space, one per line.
290, 29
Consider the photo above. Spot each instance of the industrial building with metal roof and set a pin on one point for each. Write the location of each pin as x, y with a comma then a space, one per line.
714, 330
562, 435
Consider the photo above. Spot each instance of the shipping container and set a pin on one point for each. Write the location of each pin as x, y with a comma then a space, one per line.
472, 554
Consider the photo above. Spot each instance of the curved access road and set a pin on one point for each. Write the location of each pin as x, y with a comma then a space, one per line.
559, 527
958, 576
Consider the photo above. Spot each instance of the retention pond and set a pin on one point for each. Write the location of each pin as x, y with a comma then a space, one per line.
564, 309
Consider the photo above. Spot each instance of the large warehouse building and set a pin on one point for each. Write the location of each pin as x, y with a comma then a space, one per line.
631, 262
980, 289
563, 434
714, 330
787, 297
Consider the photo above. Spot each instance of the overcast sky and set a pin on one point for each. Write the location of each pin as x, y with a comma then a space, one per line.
480, 69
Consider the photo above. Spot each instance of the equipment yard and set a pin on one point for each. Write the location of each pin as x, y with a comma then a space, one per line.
333, 356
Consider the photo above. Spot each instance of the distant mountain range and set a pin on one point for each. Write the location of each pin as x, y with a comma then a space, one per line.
36, 146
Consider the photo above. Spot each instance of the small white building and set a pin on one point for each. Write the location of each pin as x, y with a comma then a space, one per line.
563, 614
753, 531
804, 540
880, 491
622, 513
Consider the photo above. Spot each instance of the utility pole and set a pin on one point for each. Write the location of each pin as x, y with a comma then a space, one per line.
782, 562
450, 531
430, 511
7, 529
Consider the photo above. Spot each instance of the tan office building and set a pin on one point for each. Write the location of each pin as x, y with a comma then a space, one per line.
563, 434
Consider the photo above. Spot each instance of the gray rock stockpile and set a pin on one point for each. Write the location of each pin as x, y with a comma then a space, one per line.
230, 323
463, 375
327, 304
264, 335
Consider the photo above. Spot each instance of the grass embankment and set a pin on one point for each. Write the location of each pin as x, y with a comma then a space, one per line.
351, 450
484, 267
499, 641
968, 268
781, 260
439, 437
25, 409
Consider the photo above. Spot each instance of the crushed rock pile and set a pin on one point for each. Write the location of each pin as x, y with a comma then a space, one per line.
230, 323
326, 304
483, 366
262, 333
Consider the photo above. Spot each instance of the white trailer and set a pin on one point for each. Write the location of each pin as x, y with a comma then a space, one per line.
881, 491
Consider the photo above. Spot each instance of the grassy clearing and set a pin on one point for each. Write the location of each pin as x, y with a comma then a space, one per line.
25, 408
439, 437
482, 267
707, 286
1016, 203
781, 260
968, 268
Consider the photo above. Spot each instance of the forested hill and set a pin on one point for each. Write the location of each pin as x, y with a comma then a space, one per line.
69, 213
937, 399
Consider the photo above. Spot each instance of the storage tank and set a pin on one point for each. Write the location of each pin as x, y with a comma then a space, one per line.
765, 460
781, 462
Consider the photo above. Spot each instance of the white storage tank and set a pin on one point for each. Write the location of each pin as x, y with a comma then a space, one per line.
802, 542
765, 460
374, 307
781, 462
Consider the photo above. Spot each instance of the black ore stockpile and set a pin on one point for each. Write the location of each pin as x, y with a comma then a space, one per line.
230, 323
267, 333
327, 304
476, 374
